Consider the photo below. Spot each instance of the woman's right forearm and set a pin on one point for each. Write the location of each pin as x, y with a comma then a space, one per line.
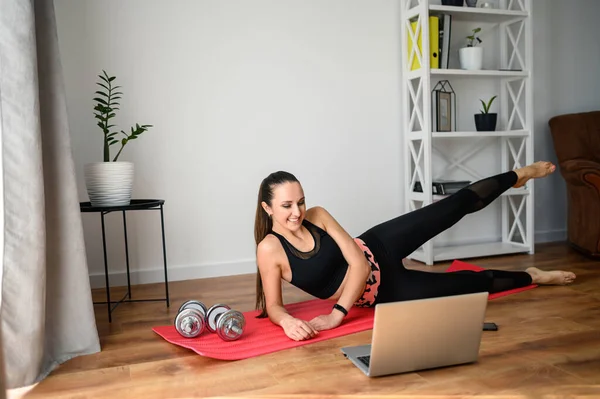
277, 314
294, 328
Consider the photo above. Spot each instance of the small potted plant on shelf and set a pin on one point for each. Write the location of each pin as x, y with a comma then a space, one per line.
109, 183
471, 56
486, 121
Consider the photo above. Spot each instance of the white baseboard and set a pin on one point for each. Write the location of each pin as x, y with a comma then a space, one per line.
550, 236
175, 273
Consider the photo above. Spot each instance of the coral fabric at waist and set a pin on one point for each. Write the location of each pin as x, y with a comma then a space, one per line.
372, 286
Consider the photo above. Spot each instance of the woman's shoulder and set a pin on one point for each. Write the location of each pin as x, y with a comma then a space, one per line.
269, 245
318, 216
316, 213
269, 253
315, 210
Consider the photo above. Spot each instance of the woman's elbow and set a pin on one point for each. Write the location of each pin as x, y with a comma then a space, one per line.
364, 268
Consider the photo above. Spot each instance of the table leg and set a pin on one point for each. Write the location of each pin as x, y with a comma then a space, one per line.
126, 254
106, 268
162, 225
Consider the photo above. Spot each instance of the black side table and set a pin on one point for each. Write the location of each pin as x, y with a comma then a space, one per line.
135, 205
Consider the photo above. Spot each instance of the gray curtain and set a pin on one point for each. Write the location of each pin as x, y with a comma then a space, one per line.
47, 316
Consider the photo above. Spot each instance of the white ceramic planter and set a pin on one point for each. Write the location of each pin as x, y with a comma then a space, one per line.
109, 183
470, 57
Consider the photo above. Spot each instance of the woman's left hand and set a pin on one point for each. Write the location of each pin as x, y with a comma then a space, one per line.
326, 321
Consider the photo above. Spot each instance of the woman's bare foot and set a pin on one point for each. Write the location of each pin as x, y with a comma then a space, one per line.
533, 171
555, 277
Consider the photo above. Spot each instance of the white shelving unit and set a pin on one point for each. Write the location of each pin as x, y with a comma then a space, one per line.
512, 142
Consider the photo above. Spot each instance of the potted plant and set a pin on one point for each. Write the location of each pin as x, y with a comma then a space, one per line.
486, 121
471, 56
109, 183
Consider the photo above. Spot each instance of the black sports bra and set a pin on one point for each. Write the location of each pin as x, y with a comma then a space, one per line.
320, 271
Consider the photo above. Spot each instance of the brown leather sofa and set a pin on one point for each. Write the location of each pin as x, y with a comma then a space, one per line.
577, 145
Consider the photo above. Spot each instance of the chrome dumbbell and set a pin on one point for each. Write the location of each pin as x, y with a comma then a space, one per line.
190, 321
227, 323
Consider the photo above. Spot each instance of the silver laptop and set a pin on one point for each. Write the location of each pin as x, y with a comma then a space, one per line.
422, 334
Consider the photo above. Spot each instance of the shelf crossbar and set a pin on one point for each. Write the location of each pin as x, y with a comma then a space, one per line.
517, 154
517, 221
514, 41
458, 162
516, 111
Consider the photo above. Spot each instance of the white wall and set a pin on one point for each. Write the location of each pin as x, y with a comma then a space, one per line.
238, 89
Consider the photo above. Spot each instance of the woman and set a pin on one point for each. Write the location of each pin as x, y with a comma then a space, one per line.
309, 249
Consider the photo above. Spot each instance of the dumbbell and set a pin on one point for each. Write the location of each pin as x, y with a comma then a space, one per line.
193, 318
227, 323
190, 321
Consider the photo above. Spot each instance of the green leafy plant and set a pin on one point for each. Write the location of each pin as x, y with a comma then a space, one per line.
474, 39
106, 105
486, 107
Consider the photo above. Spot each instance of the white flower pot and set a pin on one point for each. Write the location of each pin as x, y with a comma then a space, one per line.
109, 183
470, 57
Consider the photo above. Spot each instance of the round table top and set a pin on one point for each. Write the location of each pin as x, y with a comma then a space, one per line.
135, 204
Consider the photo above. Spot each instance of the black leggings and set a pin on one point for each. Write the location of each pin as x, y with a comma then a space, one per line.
395, 239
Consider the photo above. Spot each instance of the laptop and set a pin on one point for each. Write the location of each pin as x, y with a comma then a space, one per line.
422, 334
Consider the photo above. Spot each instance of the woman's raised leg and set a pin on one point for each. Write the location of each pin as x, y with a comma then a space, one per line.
401, 236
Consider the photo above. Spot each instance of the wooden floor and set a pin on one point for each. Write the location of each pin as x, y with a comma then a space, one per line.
548, 346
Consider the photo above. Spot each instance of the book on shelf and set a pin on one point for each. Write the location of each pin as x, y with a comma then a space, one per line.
443, 187
434, 58
440, 28
445, 26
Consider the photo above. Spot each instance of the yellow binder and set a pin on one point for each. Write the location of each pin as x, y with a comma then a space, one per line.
434, 44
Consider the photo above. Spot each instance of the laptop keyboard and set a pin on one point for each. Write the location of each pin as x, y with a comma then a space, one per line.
364, 359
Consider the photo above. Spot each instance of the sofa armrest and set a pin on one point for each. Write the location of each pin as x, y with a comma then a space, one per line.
581, 172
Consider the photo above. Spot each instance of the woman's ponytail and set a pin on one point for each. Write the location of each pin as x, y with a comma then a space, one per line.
263, 225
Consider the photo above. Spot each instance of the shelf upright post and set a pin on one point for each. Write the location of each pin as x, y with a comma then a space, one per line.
427, 128
504, 153
417, 142
529, 123
404, 81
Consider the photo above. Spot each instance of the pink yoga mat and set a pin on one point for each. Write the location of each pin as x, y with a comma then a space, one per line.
262, 337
